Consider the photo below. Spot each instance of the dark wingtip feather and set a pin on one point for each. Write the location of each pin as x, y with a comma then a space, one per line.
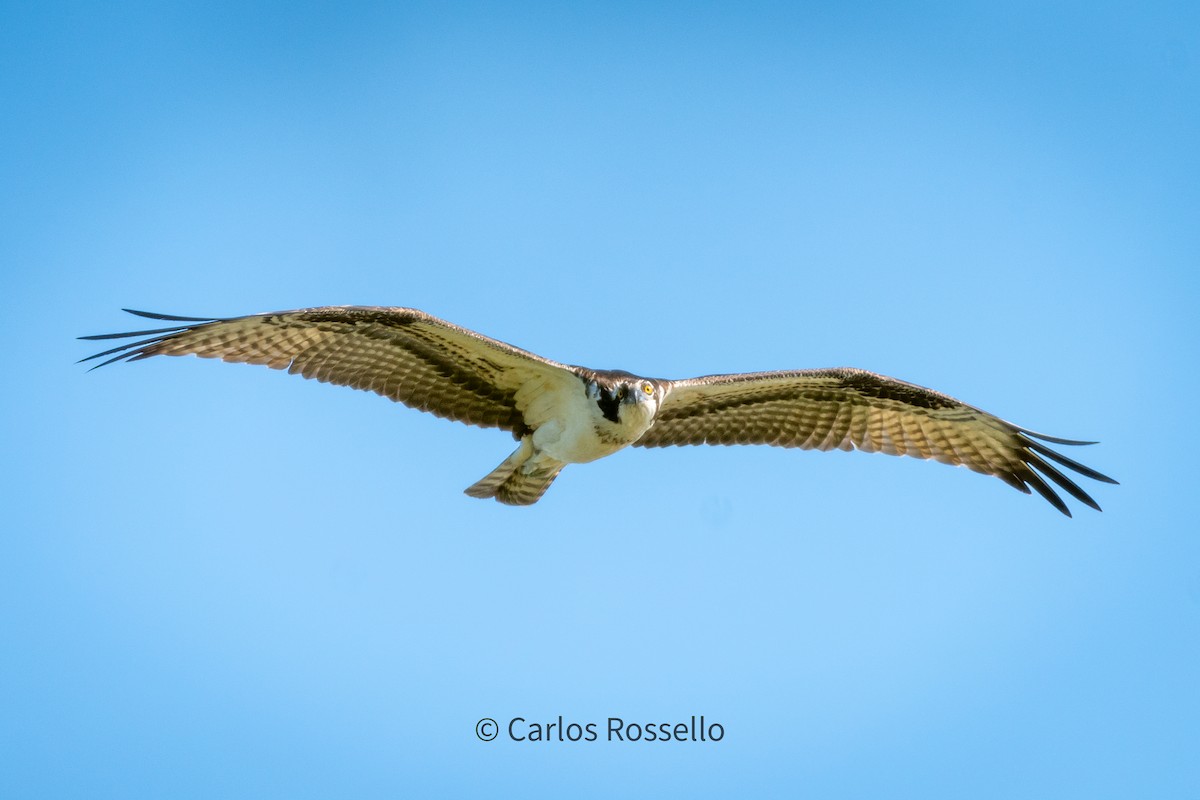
1053, 439
132, 351
1070, 463
1042, 488
1062, 480
167, 317
120, 357
99, 336
1035, 454
135, 347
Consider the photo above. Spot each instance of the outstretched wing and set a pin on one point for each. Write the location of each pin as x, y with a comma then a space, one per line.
400, 353
853, 409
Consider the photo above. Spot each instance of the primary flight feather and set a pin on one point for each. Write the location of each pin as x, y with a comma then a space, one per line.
562, 414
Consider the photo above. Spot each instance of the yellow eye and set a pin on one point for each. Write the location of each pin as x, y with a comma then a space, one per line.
647, 388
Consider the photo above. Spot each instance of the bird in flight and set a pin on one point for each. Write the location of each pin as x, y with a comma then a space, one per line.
562, 414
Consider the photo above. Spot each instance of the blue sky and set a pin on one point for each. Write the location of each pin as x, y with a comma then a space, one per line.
225, 581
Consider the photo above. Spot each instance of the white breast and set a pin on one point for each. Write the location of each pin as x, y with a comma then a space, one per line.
577, 432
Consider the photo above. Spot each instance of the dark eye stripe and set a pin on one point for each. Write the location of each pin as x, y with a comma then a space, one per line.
608, 403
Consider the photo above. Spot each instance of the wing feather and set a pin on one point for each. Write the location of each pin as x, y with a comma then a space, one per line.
400, 353
852, 409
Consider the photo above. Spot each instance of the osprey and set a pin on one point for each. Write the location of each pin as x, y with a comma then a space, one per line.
562, 414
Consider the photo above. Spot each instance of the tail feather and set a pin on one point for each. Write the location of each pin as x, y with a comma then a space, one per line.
522, 489
519, 480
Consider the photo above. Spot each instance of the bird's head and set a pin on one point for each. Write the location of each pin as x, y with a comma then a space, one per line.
622, 397
641, 391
